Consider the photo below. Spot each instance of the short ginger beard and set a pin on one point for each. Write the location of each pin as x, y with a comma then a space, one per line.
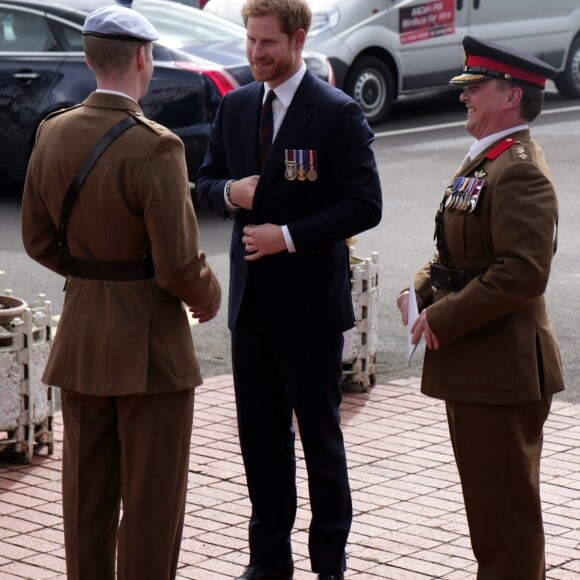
276, 71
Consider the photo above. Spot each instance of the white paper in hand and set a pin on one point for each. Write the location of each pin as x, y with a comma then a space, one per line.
412, 314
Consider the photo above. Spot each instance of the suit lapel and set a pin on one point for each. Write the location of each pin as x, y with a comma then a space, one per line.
296, 119
467, 165
250, 117
297, 116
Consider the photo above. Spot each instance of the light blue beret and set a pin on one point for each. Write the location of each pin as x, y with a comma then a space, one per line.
121, 23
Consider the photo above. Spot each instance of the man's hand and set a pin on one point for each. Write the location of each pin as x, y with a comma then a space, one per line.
209, 312
242, 191
263, 240
421, 328
403, 306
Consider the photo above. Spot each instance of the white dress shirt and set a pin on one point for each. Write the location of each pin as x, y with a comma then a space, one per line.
284, 94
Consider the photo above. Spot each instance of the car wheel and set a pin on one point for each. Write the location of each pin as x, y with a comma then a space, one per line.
370, 84
568, 81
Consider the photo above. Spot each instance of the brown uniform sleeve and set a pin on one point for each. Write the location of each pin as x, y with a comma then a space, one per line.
180, 266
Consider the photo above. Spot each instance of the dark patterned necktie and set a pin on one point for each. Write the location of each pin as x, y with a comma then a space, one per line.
266, 128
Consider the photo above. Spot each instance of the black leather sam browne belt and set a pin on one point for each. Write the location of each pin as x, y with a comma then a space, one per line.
453, 279
142, 269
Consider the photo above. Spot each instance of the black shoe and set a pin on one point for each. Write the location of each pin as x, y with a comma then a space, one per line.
339, 576
265, 571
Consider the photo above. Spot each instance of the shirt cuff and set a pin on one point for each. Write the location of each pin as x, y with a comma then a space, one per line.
288, 239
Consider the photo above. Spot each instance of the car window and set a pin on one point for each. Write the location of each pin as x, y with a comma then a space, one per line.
24, 32
71, 39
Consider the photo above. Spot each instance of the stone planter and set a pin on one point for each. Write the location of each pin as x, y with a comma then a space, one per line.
360, 342
10, 307
26, 404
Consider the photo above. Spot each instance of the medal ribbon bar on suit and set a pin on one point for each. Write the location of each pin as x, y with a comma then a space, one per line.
290, 163
300, 164
312, 173
301, 154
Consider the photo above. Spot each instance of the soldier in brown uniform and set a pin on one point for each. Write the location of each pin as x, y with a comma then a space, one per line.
491, 351
123, 353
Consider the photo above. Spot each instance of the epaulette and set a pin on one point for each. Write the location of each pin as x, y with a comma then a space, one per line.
152, 125
520, 151
61, 111
502, 146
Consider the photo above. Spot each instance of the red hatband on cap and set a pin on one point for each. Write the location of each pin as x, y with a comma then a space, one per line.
515, 72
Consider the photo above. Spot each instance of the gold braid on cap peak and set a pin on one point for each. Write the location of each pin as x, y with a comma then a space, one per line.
467, 78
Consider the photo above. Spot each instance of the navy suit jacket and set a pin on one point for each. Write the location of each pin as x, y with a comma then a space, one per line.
312, 284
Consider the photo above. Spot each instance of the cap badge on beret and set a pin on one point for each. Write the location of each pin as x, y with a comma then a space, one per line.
121, 23
484, 60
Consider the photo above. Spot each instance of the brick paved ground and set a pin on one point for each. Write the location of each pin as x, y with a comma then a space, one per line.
409, 520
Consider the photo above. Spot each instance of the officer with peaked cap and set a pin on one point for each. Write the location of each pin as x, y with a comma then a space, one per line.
123, 354
492, 355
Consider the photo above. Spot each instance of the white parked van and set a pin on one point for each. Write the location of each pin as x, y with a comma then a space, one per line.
381, 49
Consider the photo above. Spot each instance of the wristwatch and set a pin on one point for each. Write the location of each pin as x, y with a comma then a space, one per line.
228, 194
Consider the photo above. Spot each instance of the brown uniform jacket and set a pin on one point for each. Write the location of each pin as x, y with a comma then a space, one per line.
497, 345
118, 338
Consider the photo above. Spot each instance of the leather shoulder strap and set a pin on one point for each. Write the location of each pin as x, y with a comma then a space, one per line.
77, 181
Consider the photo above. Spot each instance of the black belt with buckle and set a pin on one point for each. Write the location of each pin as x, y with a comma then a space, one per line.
453, 279
111, 271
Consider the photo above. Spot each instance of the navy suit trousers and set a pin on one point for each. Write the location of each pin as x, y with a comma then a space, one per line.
277, 378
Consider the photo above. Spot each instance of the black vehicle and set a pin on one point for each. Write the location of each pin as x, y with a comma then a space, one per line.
198, 58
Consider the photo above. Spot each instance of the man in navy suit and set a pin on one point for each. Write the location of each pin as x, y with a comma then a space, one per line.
290, 298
